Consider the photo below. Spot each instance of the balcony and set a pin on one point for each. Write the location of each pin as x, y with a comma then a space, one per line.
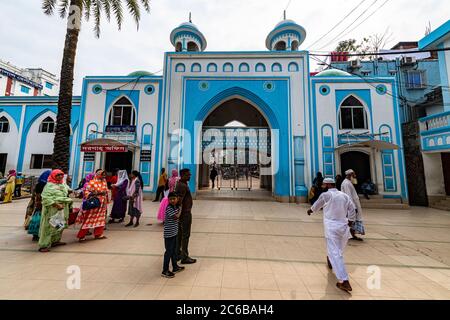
435, 132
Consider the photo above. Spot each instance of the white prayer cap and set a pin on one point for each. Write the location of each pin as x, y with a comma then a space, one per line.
329, 180
350, 171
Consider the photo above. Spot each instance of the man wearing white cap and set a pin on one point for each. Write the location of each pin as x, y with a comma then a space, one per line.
348, 188
338, 215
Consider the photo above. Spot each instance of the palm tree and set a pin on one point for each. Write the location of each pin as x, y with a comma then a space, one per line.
74, 10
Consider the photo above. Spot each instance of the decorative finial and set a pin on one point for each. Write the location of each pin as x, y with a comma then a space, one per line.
190, 17
284, 14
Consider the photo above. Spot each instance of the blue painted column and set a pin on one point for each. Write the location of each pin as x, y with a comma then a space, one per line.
299, 163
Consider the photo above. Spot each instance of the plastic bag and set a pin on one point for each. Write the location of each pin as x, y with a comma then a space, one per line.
58, 221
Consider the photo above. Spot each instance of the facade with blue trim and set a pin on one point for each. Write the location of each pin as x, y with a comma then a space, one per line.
316, 123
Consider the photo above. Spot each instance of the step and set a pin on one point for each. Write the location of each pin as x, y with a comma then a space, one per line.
391, 206
380, 200
440, 207
445, 202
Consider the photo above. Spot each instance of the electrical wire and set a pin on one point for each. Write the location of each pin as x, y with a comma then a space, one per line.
338, 24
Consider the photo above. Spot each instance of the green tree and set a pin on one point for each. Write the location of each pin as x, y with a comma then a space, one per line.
73, 11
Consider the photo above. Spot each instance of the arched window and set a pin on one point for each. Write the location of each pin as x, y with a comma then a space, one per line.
192, 47
212, 67
293, 67
276, 67
178, 47
180, 67
47, 126
4, 125
227, 67
196, 67
352, 114
244, 67
294, 45
260, 67
280, 46
122, 113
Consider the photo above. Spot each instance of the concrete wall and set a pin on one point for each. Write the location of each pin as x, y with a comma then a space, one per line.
433, 174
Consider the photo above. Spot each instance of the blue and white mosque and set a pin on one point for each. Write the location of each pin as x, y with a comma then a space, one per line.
328, 122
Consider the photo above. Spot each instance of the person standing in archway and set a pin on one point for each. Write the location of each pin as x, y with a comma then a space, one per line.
185, 221
348, 188
213, 175
162, 182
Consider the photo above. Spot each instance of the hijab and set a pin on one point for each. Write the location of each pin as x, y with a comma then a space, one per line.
122, 176
52, 177
173, 179
12, 173
44, 176
88, 178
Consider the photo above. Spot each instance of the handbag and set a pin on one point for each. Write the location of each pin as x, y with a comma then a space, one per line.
91, 203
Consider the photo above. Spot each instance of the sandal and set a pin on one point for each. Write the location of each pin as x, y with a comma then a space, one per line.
58, 244
81, 240
101, 238
44, 250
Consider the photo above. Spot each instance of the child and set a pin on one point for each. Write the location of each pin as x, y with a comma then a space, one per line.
173, 213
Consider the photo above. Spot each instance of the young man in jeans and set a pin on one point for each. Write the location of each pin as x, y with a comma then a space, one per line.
184, 231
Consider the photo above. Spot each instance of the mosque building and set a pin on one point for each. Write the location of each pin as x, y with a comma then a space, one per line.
264, 105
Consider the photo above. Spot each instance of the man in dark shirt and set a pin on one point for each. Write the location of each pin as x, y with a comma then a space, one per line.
185, 221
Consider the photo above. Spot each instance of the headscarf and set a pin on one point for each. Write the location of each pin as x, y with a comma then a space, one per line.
88, 178
12, 173
173, 179
44, 176
122, 177
52, 177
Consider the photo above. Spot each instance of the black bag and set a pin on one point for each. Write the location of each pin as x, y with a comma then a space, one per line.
91, 203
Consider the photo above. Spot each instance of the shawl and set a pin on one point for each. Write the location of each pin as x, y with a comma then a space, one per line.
122, 177
55, 193
131, 190
52, 177
173, 180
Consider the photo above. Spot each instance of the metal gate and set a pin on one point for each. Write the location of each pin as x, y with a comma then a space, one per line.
235, 177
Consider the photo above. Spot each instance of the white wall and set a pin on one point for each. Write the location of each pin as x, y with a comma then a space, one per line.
3, 82
9, 143
37, 143
434, 177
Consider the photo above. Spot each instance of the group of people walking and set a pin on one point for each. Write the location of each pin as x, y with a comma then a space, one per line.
50, 209
342, 220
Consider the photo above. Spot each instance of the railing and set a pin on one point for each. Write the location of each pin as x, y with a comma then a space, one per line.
434, 122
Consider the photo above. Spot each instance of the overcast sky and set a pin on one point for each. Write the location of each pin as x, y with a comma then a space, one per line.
28, 38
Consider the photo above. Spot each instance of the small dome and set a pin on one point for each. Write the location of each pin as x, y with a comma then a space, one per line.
333, 73
190, 32
286, 29
140, 74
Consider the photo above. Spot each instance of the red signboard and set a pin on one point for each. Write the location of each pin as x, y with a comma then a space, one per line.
103, 148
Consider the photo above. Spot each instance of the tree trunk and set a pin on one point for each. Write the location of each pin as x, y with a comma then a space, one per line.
61, 142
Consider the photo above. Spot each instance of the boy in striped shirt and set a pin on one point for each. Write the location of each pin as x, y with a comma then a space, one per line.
172, 215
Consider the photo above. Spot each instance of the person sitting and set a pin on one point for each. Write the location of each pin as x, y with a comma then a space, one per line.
368, 188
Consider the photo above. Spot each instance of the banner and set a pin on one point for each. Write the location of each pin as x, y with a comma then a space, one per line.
104, 148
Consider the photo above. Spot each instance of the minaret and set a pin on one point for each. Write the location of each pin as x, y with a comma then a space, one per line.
187, 37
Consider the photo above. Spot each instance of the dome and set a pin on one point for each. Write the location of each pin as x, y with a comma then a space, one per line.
286, 29
140, 73
333, 73
189, 32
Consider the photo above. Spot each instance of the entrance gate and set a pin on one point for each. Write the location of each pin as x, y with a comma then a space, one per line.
238, 153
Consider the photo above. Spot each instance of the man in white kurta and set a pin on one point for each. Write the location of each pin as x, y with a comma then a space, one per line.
339, 213
348, 188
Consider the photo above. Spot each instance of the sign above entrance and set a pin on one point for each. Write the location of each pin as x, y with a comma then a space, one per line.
103, 148
120, 129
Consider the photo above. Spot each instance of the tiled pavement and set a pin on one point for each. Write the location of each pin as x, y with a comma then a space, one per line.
245, 250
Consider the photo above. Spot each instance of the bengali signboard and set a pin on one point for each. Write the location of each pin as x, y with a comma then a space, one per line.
17, 77
103, 148
146, 155
120, 129
89, 156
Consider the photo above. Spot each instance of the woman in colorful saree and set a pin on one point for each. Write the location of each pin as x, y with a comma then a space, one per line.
95, 218
119, 196
55, 201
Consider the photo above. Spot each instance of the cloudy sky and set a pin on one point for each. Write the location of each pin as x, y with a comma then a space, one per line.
28, 38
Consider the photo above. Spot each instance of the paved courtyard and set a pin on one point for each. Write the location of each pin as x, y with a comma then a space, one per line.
245, 250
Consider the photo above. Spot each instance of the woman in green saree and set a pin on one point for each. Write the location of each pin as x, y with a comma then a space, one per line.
54, 199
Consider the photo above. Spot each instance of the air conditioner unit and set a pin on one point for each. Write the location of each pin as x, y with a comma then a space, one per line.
408, 61
355, 64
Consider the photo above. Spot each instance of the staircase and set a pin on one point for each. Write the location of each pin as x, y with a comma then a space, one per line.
443, 204
378, 202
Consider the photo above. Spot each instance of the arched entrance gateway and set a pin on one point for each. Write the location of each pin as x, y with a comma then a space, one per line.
360, 163
236, 141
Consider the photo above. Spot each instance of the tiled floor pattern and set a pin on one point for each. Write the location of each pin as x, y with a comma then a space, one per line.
245, 250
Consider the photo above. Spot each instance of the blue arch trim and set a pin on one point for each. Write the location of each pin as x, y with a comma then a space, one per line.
30, 117
180, 67
260, 67
196, 67
276, 67
228, 67
14, 112
212, 67
244, 67
293, 67
207, 108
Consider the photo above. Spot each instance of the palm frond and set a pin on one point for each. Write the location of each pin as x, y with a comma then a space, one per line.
87, 4
146, 5
116, 6
63, 8
48, 6
135, 10
97, 11
107, 9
